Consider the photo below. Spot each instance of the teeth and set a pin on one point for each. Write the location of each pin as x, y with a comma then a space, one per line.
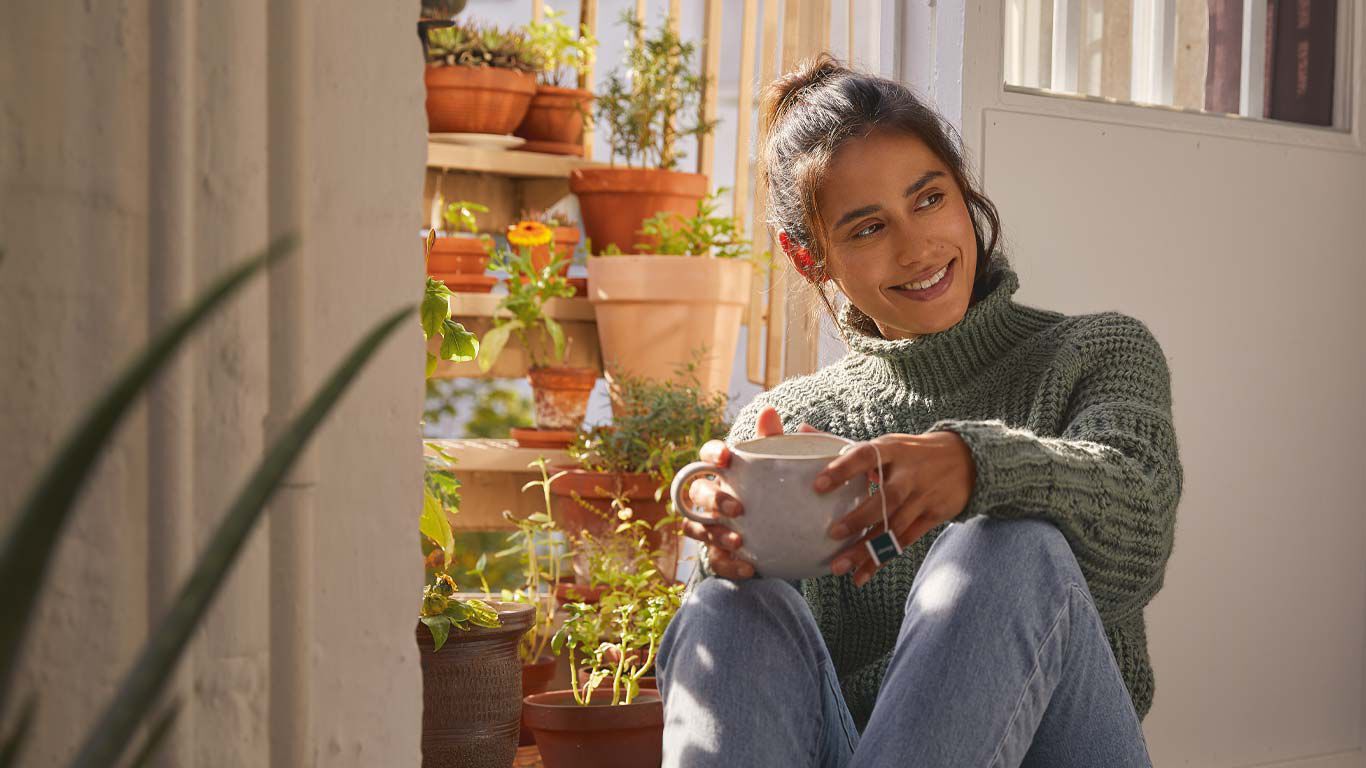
927, 283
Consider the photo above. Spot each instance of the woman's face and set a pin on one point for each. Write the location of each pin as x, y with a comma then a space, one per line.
896, 217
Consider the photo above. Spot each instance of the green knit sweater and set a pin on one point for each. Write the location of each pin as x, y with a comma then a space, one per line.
1068, 419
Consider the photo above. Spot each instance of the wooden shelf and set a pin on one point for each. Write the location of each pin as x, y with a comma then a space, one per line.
491, 475
504, 162
475, 312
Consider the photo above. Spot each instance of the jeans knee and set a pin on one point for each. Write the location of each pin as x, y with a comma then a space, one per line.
757, 608
997, 556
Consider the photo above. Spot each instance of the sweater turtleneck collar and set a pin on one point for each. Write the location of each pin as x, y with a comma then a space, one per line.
938, 363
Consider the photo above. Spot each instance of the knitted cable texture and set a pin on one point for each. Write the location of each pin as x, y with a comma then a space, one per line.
1068, 419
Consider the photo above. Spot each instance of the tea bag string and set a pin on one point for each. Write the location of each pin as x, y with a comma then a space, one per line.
886, 525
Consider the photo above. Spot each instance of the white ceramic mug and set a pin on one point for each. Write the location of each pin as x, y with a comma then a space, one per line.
785, 523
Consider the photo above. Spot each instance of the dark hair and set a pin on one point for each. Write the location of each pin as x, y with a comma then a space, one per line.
810, 112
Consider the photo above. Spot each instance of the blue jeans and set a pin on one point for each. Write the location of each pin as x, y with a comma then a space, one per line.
1001, 660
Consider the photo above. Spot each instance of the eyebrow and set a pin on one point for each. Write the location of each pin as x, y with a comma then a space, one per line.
867, 209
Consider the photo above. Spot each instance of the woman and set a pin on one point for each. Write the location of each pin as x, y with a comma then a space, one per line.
1031, 476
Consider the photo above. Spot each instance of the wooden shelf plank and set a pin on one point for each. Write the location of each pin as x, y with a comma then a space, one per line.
491, 475
504, 162
475, 312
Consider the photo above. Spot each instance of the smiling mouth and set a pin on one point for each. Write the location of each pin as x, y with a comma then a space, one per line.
931, 287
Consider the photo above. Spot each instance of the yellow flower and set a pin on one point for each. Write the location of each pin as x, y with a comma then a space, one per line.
530, 234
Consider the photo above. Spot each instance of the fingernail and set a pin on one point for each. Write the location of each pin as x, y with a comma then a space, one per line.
734, 539
840, 567
746, 571
730, 507
839, 532
822, 482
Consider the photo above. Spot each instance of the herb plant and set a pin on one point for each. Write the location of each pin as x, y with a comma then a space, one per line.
478, 45
561, 49
654, 100
525, 305
459, 216
706, 233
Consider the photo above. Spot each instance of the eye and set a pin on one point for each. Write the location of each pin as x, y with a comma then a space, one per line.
926, 202
868, 230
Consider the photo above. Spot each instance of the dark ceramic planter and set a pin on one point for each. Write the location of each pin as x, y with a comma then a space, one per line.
472, 693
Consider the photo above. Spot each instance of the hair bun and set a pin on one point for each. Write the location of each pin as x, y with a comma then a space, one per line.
782, 94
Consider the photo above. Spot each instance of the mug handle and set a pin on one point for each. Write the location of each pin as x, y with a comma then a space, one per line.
682, 505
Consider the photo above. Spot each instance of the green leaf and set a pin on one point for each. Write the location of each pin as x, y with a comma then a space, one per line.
440, 627
432, 362
556, 335
436, 307
434, 525
159, 655
457, 343
156, 736
494, 341
32, 537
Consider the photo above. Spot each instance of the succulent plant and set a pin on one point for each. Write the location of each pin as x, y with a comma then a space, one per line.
478, 45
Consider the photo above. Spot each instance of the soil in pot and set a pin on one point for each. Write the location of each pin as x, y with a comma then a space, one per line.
477, 99
471, 693
570, 735
615, 201
561, 395
654, 313
554, 122
536, 678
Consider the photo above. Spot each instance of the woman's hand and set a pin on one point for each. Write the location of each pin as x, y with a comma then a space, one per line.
928, 480
715, 497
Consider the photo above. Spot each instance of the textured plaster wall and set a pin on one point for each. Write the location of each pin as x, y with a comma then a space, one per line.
74, 293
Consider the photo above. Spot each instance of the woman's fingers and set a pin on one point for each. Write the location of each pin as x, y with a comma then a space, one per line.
715, 452
856, 558
713, 499
770, 423
713, 535
728, 566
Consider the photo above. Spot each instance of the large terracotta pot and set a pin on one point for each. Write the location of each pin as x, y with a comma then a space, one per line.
561, 395
570, 735
462, 263
471, 693
477, 99
654, 313
536, 678
554, 122
614, 201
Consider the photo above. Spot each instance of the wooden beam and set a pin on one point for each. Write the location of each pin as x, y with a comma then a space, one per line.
588, 17
1252, 84
711, 74
537, 9
761, 292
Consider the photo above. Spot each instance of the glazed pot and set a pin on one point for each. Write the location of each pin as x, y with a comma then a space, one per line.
477, 99
471, 692
536, 678
570, 735
615, 201
561, 395
554, 122
656, 313
461, 263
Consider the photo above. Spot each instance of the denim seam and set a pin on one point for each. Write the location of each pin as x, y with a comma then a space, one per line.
844, 726
1019, 705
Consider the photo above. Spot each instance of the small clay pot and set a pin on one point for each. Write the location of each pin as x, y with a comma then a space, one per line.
565, 238
461, 262
568, 592
561, 395
615, 201
471, 692
596, 489
570, 735
554, 121
535, 679
477, 99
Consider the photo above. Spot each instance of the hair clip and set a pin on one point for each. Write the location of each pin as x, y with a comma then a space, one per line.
801, 257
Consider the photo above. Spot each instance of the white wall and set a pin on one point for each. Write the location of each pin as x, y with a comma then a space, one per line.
75, 288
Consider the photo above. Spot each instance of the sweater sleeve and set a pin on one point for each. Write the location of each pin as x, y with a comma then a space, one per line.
1110, 482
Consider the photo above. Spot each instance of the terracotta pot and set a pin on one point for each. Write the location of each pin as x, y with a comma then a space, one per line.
595, 490
565, 240
535, 679
555, 120
614, 201
477, 99
471, 692
655, 312
561, 395
569, 592
461, 262
599, 735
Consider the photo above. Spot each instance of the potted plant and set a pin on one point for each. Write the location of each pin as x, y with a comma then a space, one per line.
560, 392
645, 110
480, 79
540, 553
554, 122
547, 234
607, 711
681, 297
471, 675
623, 470
459, 255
